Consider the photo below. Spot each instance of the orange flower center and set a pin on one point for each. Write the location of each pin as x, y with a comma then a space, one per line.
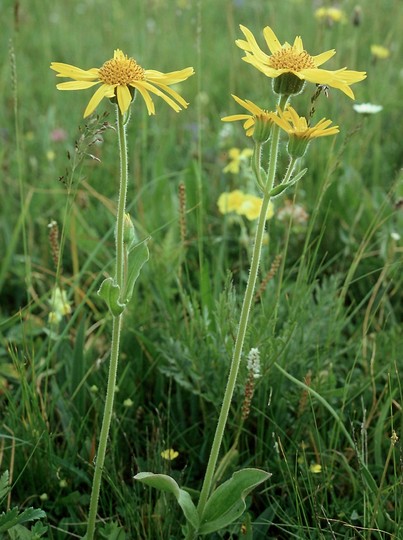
121, 71
290, 59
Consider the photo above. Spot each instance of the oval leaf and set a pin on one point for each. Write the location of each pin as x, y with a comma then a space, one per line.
137, 256
110, 292
227, 502
164, 482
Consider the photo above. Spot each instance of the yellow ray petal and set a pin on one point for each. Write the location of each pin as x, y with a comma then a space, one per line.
173, 93
66, 70
251, 45
124, 98
158, 92
271, 40
76, 85
171, 77
103, 91
298, 45
320, 59
146, 96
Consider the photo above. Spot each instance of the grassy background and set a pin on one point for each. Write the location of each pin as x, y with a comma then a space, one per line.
331, 316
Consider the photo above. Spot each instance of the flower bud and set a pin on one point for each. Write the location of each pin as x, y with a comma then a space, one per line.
129, 234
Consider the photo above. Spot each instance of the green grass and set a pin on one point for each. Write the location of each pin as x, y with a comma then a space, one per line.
331, 317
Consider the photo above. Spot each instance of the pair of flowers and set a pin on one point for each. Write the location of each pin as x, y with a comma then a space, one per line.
121, 76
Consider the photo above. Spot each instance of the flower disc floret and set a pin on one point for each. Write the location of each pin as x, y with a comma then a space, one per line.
121, 70
294, 60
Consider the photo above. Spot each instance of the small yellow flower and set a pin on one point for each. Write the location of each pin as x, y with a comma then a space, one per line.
237, 157
60, 306
243, 204
50, 155
299, 132
380, 52
250, 119
119, 78
315, 468
294, 60
330, 15
251, 206
230, 202
297, 126
170, 454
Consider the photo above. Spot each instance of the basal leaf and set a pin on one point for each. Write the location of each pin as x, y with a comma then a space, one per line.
164, 482
227, 502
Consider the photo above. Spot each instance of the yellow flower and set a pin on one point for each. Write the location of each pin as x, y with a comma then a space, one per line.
237, 157
315, 468
119, 78
243, 204
378, 51
294, 60
251, 206
257, 114
60, 306
299, 132
330, 15
230, 202
298, 127
169, 454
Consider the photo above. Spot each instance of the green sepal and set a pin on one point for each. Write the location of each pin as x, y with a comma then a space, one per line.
227, 502
278, 190
137, 256
110, 292
164, 482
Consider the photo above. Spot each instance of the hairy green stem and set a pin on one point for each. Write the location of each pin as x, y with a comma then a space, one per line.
117, 325
244, 318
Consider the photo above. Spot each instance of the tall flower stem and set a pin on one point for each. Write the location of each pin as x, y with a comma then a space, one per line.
117, 325
245, 311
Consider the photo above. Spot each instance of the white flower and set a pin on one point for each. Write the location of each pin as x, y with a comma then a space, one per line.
367, 108
253, 362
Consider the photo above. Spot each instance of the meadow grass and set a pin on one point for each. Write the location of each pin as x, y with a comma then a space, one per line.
328, 322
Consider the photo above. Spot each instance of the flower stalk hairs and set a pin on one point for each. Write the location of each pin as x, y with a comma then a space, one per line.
119, 79
290, 67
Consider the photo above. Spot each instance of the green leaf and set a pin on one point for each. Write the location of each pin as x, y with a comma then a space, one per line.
110, 292
137, 256
4, 487
278, 190
164, 482
227, 502
12, 517
112, 531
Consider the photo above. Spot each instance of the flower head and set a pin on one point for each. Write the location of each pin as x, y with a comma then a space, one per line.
119, 78
330, 15
297, 126
380, 52
237, 157
299, 132
367, 108
169, 454
259, 118
230, 201
243, 204
60, 306
294, 60
315, 468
